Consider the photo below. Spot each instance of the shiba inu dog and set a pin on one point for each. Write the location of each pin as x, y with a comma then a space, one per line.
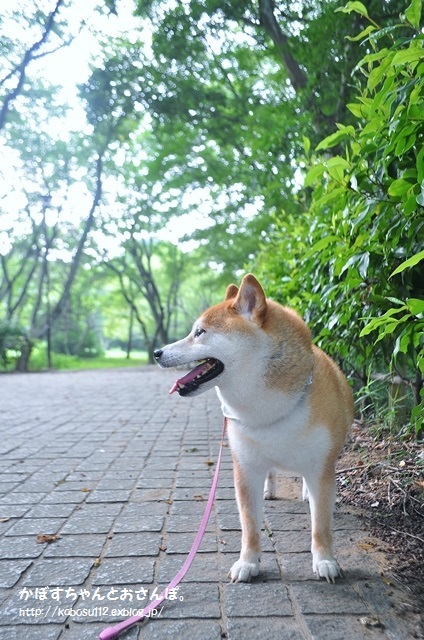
287, 405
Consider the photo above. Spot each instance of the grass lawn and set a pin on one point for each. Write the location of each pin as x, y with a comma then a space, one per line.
113, 358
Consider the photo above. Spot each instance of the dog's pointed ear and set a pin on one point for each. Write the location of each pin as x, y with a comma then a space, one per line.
250, 301
231, 292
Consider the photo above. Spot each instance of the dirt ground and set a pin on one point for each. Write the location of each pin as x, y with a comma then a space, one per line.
383, 478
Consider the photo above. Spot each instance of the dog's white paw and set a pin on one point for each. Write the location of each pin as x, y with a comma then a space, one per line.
243, 571
328, 569
269, 495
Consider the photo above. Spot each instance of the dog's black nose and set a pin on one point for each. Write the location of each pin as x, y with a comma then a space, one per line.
157, 353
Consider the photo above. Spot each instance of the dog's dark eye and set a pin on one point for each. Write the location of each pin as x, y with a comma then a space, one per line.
199, 332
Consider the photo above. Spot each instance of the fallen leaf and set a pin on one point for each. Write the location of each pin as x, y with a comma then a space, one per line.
371, 621
97, 562
47, 537
198, 497
209, 462
4, 519
86, 490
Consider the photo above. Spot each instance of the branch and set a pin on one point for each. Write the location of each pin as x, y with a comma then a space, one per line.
128, 298
78, 254
21, 68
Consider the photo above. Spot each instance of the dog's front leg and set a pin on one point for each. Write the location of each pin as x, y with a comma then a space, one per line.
249, 484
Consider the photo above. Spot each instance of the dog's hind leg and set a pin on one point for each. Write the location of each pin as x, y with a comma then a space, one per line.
321, 490
270, 485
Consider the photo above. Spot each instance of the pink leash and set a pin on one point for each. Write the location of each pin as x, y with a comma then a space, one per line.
116, 630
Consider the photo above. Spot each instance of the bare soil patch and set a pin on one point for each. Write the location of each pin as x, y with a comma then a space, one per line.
384, 479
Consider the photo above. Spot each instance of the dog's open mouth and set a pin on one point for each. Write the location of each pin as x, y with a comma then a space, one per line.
203, 372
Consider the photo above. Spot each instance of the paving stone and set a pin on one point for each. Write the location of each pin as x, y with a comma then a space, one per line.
58, 572
231, 541
138, 509
20, 547
289, 522
292, 541
159, 629
125, 571
60, 497
77, 546
187, 524
34, 526
148, 495
269, 628
117, 484
46, 632
143, 456
90, 631
154, 483
50, 511
376, 594
11, 571
341, 628
80, 523
200, 601
205, 568
282, 505
297, 566
117, 495
134, 544
15, 611
193, 481
325, 598
136, 524
13, 511
257, 599
17, 498
181, 543
98, 509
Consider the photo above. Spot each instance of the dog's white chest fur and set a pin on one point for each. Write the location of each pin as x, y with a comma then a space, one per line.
270, 441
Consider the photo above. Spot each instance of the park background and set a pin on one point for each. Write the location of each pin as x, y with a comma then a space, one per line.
153, 152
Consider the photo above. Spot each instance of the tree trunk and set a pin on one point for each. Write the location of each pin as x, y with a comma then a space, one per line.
271, 26
22, 363
130, 333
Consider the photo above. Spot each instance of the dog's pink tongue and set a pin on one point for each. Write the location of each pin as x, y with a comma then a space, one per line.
189, 377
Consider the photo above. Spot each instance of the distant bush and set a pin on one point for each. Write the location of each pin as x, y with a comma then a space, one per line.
12, 339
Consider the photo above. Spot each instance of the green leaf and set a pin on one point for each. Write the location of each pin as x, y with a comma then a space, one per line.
356, 109
413, 13
306, 144
357, 7
398, 187
321, 244
361, 35
411, 262
335, 138
415, 305
313, 174
410, 55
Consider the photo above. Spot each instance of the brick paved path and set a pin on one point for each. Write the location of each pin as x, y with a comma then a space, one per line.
122, 471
